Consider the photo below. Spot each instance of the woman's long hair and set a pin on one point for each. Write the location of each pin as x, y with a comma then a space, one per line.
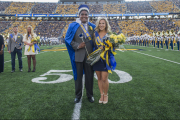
32, 32
108, 27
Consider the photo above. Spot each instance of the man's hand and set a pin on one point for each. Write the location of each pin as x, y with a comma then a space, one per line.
101, 47
82, 45
9, 52
19, 47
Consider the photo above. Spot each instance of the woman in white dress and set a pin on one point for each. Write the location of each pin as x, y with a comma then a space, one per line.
28, 37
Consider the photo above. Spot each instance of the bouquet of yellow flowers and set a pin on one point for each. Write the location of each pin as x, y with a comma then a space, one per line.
35, 46
36, 39
117, 40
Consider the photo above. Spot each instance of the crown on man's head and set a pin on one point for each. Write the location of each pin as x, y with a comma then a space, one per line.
83, 7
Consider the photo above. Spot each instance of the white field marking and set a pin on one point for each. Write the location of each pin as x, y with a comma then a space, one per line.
62, 77
158, 57
149, 50
77, 108
123, 77
158, 50
120, 50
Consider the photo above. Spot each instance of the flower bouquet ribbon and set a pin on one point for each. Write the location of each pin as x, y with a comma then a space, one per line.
34, 47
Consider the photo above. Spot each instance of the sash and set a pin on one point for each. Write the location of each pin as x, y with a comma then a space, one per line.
87, 34
108, 54
14, 40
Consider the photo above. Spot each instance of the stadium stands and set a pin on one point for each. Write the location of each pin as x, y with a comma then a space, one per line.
133, 27
65, 28
176, 2
114, 8
139, 7
50, 28
67, 9
19, 8
53, 28
114, 26
4, 25
44, 8
164, 6
95, 9
159, 25
22, 26
4, 5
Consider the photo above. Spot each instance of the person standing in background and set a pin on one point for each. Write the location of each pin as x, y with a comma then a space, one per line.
15, 45
1, 54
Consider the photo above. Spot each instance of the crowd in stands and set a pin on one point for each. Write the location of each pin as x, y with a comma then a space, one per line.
139, 7
67, 9
176, 2
160, 24
4, 25
114, 26
59, 28
133, 27
95, 9
44, 8
22, 26
114, 8
50, 28
109, 8
4, 5
19, 8
164, 6
65, 28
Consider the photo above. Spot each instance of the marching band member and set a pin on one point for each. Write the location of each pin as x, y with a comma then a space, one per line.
167, 39
154, 39
158, 39
162, 39
172, 39
178, 40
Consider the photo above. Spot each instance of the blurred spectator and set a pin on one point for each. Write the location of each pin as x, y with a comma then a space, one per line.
21, 26
133, 27
4, 5
95, 9
4, 25
44, 8
19, 8
114, 8
164, 6
139, 7
67, 9
159, 25
50, 29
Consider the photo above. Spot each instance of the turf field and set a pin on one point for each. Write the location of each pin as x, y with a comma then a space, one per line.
153, 92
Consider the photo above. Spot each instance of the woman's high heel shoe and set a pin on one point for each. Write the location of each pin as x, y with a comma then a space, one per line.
29, 70
104, 102
100, 100
34, 69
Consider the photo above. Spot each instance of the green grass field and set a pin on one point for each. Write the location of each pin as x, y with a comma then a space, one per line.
153, 92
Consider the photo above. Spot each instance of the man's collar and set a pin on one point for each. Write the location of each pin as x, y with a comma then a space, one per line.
79, 21
16, 34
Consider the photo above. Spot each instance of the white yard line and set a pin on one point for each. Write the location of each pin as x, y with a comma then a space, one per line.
158, 57
77, 108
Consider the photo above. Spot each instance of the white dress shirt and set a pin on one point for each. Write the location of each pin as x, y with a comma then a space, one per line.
15, 36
